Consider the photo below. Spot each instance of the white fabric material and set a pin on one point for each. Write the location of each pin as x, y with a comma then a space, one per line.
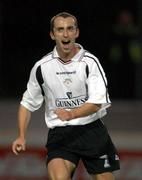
66, 86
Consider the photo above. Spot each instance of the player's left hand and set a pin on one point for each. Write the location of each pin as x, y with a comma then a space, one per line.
63, 114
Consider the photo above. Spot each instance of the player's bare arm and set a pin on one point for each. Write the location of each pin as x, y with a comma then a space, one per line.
84, 110
24, 116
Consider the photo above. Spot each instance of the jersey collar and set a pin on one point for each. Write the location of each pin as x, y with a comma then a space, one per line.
77, 57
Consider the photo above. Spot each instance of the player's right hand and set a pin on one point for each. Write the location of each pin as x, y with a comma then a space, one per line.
18, 145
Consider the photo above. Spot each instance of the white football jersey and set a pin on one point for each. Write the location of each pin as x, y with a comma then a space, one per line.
67, 85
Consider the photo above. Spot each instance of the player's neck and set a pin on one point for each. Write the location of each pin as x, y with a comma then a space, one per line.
68, 56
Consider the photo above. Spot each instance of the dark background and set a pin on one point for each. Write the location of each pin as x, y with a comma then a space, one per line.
24, 39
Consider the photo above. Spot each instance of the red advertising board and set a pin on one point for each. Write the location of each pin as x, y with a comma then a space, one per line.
30, 165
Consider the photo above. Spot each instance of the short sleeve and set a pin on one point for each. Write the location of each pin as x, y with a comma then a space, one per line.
32, 98
97, 85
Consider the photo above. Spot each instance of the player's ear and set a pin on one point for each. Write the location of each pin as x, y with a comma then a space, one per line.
77, 33
52, 35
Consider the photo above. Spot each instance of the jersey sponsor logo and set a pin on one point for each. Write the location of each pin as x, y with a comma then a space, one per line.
70, 102
69, 94
66, 73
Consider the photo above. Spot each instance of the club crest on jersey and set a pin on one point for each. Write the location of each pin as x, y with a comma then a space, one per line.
69, 94
67, 81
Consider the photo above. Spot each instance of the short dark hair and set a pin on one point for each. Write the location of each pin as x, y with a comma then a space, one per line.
64, 15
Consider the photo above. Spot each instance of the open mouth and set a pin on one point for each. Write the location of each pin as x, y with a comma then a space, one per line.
66, 42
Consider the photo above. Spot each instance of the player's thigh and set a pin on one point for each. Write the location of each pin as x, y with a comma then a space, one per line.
103, 176
60, 169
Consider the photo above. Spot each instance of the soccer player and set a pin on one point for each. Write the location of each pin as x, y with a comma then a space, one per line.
72, 83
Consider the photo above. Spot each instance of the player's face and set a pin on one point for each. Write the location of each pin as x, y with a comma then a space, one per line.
64, 33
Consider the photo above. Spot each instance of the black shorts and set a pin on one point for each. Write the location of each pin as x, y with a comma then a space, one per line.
90, 143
